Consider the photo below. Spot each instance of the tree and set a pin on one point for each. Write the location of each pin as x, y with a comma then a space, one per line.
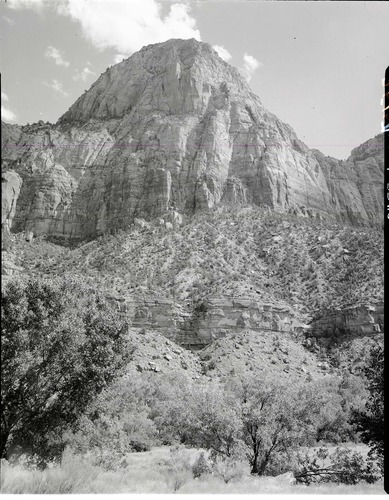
116, 422
200, 414
61, 345
370, 421
277, 419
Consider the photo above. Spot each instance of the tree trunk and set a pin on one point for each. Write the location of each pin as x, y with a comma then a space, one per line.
263, 464
3, 442
254, 463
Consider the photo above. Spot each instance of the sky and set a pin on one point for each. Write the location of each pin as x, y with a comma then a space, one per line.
317, 65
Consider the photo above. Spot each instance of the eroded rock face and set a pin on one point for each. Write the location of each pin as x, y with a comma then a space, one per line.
11, 183
212, 319
176, 126
360, 320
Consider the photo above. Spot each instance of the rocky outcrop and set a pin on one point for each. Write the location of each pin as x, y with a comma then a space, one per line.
176, 126
10, 189
359, 320
195, 326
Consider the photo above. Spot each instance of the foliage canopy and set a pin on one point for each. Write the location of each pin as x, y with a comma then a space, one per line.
61, 345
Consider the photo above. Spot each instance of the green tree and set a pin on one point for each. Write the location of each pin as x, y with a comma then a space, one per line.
61, 345
370, 421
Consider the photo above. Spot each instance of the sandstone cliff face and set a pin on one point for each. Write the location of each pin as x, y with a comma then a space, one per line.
10, 189
213, 319
364, 319
176, 126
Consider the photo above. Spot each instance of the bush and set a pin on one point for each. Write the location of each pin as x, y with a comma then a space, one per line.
229, 469
178, 468
201, 466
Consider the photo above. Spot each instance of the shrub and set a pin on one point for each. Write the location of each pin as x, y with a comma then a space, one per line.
178, 468
229, 469
201, 466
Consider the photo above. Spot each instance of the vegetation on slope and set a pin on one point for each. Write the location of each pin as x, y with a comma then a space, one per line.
307, 263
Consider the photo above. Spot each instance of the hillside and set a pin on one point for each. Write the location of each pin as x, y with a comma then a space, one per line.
302, 262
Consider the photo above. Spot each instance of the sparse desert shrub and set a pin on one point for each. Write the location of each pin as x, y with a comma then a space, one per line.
201, 466
229, 469
211, 365
178, 468
73, 475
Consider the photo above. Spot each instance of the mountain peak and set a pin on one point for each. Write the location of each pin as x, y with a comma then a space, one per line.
175, 77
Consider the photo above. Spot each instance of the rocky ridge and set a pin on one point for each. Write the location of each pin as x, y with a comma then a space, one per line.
174, 127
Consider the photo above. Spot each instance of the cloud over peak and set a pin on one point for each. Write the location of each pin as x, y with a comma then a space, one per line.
83, 74
56, 55
250, 65
223, 52
6, 114
57, 86
128, 26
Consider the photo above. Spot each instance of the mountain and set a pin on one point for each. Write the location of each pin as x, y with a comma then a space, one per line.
171, 131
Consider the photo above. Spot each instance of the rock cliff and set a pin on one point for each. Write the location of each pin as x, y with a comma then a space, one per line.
196, 326
176, 126
10, 189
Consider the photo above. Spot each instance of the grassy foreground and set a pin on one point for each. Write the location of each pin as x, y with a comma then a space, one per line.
150, 472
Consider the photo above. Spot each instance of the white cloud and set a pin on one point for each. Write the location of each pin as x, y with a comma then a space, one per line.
223, 53
250, 64
119, 58
129, 25
6, 114
53, 53
83, 74
57, 86
28, 4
